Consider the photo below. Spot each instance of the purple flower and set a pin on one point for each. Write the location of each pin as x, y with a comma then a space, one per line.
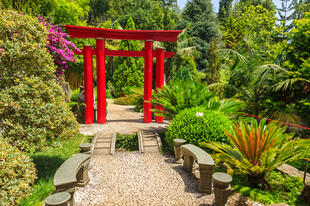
59, 47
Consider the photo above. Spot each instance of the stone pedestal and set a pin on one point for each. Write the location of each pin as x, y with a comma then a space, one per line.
85, 147
205, 180
82, 175
177, 150
58, 199
221, 186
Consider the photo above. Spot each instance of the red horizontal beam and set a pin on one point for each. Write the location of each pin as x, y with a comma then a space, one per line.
124, 53
92, 32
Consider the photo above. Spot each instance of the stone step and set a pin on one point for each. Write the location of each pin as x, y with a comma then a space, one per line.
105, 137
103, 144
153, 138
101, 151
104, 141
150, 149
149, 143
148, 134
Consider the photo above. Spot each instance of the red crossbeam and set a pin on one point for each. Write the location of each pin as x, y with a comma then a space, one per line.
124, 53
92, 32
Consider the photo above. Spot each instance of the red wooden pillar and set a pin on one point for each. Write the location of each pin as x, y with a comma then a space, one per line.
148, 67
160, 77
101, 81
88, 85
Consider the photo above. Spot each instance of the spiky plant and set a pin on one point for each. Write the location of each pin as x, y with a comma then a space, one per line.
179, 95
257, 149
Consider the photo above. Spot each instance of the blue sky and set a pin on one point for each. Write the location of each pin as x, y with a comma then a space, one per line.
181, 4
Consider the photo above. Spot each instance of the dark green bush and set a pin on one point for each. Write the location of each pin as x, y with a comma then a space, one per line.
198, 124
34, 114
17, 173
128, 142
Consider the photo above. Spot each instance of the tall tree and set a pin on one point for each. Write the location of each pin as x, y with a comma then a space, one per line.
299, 8
286, 6
202, 24
129, 70
267, 4
224, 9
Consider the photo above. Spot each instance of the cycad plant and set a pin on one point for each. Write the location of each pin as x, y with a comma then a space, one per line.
257, 149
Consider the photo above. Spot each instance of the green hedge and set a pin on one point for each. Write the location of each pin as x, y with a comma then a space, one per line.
127, 100
17, 173
198, 124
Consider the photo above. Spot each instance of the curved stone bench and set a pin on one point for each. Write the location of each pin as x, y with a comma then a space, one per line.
205, 162
72, 173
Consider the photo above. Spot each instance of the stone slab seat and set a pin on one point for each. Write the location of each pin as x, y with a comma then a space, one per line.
205, 162
73, 172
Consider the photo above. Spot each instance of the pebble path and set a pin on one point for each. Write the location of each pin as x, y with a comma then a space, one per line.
131, 178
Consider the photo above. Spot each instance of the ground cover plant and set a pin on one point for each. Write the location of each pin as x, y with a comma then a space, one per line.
127, 142
198, 124
283, 189
47, 163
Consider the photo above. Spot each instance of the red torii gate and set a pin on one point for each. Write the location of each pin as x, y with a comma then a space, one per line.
101, 52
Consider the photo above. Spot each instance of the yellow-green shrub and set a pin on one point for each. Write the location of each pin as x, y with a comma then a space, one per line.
17, 173
33, 112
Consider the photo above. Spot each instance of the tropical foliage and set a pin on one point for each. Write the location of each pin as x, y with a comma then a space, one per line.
257, 149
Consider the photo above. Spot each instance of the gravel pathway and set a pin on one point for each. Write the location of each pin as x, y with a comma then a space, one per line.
130, 178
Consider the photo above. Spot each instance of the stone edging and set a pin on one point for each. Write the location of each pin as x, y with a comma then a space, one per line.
140, 141
113, 143
93, 143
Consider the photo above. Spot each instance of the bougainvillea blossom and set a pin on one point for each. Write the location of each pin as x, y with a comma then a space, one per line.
59, 47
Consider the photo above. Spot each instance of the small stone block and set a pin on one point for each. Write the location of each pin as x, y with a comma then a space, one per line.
58, 199
221, 179
178, 142
85, 147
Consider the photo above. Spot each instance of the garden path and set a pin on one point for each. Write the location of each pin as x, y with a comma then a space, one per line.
131, 178
122, 119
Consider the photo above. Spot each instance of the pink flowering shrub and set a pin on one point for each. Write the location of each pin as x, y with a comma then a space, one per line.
59, 47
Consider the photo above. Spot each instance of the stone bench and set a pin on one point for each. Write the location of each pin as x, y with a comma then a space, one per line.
205, 162
72, 173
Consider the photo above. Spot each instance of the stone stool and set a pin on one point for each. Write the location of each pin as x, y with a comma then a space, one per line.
177, 150
85, 147
221, 186
58, 199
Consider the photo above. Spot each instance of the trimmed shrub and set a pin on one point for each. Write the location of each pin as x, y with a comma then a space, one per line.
198, 124
127, 100
34, 114
17, 173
